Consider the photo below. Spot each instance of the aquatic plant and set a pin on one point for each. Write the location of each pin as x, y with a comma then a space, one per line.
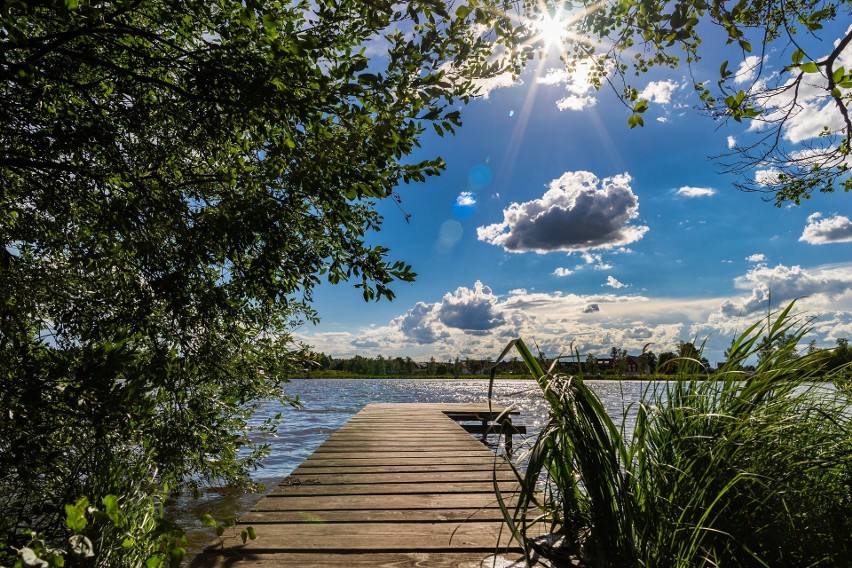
735, 469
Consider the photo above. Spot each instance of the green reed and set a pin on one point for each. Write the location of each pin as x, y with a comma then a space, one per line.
735, 469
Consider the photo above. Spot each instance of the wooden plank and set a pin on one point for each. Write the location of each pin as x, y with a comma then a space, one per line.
385, 515
367, 502
337, 476
363, 560
374, 536
391, 488
317, 469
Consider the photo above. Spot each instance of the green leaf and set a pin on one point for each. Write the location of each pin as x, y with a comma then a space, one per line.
207, 520
110, 503
635, 120
75, 515
640, 107
251, 533
809, 67
798, 55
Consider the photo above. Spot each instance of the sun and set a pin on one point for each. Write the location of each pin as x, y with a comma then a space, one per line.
552, 30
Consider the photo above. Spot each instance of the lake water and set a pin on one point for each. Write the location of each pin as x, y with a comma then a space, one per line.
328, 403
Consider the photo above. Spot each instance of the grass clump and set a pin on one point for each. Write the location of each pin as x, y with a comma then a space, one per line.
741, 469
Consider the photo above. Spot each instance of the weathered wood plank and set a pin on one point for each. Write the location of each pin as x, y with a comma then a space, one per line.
441, 487
362, 560
470, 536
379, 515
367, 502
316, 469
338, 476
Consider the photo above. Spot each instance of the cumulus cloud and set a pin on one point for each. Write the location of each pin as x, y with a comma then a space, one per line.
659, 91
613, 283
687, 191
747, 70
757, 257
579, 84
470, 309
784, 284
416, 326
732, 142
563, 272
466, 199
591, 309
819, 231
578, 212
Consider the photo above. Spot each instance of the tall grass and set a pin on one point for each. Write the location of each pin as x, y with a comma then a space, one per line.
739, 469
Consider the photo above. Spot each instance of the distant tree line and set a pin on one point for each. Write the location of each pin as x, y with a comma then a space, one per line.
686, 359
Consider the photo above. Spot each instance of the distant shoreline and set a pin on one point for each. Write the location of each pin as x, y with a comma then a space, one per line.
323, 375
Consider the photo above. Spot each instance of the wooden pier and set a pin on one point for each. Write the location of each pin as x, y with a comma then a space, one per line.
398, 485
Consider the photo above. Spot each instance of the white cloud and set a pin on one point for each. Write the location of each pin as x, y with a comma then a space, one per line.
466, 199
416, 324
659, 91
687, 191
786, 283
836, 229
578, 83
501, 81
757, 257
747, 70
732, 142
561, 272
470, 309
662, 119
578, 212
613, 283
596, 261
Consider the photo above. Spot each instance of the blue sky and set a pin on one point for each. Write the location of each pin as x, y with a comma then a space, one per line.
555, 222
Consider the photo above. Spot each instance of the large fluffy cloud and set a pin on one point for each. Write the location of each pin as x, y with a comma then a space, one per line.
782, 284
416, 324
470, 309
578, 212
819, 231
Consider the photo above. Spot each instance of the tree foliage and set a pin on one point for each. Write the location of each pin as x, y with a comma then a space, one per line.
785, 70
176, 177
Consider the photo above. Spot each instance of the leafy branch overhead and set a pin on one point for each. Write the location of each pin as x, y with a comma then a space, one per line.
784, 68
177, 177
